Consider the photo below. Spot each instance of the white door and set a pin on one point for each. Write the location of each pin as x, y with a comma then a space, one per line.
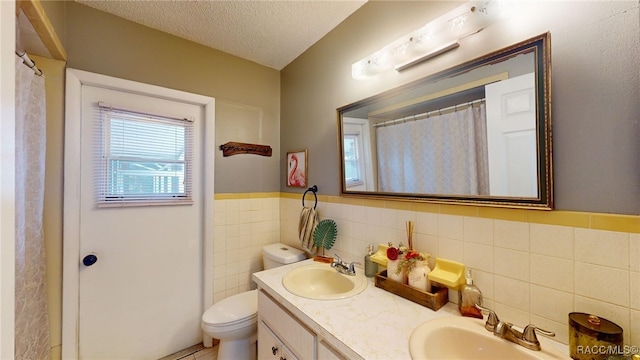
511, 137
142, 298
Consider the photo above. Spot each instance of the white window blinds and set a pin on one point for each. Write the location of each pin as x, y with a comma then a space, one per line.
145, 159
352, 160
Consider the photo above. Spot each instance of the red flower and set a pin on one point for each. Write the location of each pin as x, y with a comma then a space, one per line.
412, 254
392, 253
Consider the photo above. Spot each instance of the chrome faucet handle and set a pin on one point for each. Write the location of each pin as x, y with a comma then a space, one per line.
336, 261
482, 308
352, 268
492, 318
529, 333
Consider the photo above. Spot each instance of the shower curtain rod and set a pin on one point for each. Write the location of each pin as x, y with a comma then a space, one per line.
30, 63
428, 113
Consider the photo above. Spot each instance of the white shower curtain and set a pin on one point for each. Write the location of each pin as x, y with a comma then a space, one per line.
31, 314
443, 154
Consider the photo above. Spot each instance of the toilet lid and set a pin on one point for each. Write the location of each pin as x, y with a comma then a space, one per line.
235, 308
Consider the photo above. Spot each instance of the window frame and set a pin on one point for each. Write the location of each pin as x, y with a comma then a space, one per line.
358, 161
359, 129
107, 198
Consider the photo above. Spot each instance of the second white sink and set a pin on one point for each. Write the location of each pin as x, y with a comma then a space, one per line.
322, 282
466, 338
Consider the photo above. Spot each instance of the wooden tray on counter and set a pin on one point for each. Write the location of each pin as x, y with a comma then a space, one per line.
433, 301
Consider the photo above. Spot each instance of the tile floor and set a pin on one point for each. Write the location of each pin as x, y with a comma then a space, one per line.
196, 352
204, 354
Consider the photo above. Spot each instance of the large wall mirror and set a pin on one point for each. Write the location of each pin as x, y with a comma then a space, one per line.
478, 133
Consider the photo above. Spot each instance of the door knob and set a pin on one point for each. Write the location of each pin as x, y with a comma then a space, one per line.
89, 260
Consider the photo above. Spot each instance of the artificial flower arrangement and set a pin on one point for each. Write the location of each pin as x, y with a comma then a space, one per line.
410, 259
410, 267
407, 257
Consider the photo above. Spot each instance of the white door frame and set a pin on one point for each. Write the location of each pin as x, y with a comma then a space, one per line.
75, 79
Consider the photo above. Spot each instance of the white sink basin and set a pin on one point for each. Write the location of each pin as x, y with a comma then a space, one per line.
322, 282
466, 338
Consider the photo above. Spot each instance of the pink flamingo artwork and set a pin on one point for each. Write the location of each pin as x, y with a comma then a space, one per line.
296, 175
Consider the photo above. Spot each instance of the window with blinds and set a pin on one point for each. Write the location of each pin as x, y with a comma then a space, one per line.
353, 161
146, 159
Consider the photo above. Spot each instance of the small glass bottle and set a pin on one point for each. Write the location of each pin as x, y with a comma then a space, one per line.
468, 297
370, 268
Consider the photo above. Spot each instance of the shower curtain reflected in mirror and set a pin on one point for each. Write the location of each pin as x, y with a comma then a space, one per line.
31, 313
453, 146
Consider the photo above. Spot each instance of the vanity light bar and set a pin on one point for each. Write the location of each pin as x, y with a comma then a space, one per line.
436, 37
431, 54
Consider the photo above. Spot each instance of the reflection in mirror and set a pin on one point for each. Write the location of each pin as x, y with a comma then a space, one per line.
477, 133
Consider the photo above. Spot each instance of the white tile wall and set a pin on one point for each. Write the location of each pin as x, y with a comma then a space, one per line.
634, 253
528, 273
589, 249
556, 241
241, 228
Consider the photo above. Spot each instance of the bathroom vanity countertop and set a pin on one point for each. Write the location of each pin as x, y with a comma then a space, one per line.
374, 324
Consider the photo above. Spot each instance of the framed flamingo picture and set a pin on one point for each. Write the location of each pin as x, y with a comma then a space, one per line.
297, 168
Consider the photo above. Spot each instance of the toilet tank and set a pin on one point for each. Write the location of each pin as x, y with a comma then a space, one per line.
280, 254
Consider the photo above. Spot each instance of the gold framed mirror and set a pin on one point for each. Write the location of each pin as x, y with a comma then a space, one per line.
478, 133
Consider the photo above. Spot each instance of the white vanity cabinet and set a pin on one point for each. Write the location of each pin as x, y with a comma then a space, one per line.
326, 352
281, 336
270, 346
277, 326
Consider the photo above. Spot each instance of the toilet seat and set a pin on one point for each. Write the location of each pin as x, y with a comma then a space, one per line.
234, 312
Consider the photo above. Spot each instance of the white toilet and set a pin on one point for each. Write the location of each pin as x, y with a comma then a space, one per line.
234, 320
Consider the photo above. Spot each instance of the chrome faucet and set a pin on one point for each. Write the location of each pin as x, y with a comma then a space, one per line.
505, 330
344, 268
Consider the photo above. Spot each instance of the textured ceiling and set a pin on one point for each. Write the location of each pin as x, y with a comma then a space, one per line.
269, 32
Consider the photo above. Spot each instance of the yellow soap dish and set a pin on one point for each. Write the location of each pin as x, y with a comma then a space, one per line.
380, 257
448, 273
